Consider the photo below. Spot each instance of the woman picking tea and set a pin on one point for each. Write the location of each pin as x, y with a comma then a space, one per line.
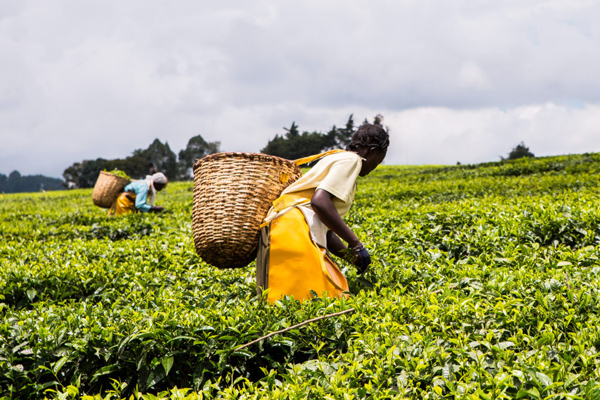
140, 195
306, 221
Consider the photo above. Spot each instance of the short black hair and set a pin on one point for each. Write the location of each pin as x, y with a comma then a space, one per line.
369, 135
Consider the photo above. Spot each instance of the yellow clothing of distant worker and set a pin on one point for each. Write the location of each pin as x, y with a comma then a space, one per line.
138, 195
125, 204
292, 257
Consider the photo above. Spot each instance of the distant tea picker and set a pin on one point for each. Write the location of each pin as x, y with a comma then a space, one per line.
140, 195
115, 191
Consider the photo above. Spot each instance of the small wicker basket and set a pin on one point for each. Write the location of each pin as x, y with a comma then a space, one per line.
107, 189
232, 195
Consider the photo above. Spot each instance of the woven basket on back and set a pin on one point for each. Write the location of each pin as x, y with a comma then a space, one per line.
232, 195
107, 189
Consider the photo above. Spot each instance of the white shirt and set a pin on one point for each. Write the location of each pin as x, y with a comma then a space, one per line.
337, 175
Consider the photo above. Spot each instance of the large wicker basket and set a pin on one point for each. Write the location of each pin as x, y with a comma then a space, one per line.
232, 195
107, 189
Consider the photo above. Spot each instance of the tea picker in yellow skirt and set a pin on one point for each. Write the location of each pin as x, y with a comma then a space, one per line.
140, 195
306, 221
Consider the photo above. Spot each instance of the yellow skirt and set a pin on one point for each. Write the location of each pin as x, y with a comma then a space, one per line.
290, 263
125, 204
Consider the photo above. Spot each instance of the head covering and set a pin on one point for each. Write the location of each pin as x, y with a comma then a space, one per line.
158, 177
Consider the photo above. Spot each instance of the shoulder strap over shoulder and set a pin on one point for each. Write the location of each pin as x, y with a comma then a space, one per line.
308, 159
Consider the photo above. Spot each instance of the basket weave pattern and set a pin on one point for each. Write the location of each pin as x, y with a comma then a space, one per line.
232, 195
107, 189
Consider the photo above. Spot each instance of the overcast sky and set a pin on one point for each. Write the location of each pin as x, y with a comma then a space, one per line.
455, 80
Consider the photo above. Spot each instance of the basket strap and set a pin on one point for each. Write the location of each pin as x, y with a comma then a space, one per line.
285, 203
308, 159
282, 205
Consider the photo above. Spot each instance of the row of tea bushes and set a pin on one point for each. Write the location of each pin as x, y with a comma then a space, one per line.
484, 285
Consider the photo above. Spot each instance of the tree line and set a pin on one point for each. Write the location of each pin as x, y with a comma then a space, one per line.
157, 156
294, 144
291, 144
17, 183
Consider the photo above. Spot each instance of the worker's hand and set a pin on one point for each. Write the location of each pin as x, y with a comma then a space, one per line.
156, 208
362, 259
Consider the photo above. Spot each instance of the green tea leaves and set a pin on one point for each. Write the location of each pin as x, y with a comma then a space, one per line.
484, 285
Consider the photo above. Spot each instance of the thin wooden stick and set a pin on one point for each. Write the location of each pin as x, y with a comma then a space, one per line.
295, 326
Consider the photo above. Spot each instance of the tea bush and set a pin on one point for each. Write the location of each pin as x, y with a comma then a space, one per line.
484, 285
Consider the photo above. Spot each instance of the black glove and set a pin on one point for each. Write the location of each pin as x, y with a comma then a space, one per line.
362, 260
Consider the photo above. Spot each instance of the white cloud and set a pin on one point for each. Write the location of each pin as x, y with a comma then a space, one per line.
84, 80
472, 76
445, 136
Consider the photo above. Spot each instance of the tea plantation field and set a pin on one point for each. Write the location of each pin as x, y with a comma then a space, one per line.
485, 285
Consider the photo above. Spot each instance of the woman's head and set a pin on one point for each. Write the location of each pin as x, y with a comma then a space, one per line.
371, 143
159, 181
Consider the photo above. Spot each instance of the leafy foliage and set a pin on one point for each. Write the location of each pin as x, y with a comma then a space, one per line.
161, 157
196, 148
84, 174
158, 156
484, 286
118, 172
519, 151
293, 144
17, 183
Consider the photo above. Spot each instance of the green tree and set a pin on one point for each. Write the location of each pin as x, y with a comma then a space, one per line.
136, 165
17, 183
162, 157
294, 144
3, 183
89, 171
84, 174
196, 148
72, 173
377, 120
339, 138
519, 151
